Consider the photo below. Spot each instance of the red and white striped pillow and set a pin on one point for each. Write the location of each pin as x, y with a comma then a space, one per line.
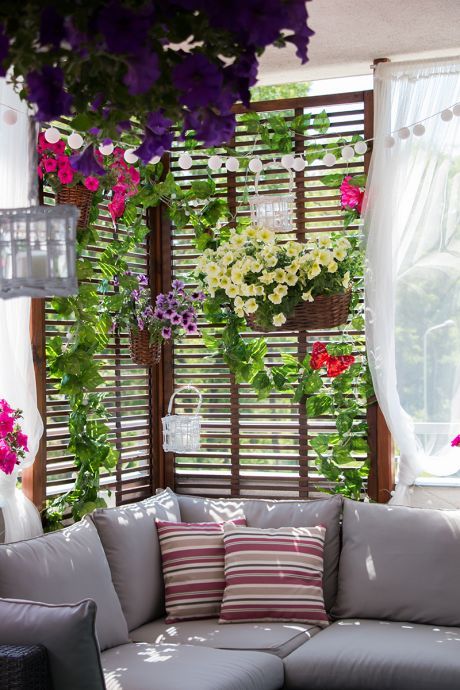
193, 568
274, 575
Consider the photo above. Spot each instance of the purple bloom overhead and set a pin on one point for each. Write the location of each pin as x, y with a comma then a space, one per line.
52, 30
46, 89
212, 129
4, 48
198, 80
86, 162
143, 71
158, 137
124, 30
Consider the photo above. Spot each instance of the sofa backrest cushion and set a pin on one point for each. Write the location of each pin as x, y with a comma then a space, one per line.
63, 568
274, 514
68, 634
130, 541
399, 564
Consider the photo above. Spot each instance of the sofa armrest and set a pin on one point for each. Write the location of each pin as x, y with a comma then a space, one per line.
24, 667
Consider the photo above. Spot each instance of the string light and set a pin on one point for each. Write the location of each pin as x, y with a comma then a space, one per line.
299, 164
348, 153
107, 150
52, 135
419, 130
329, 160
287, 161
185, 161
75, 141
255, 165
215, 163
232, 164
129, 156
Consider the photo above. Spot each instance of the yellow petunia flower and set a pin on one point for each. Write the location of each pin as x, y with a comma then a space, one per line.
332, 267
307, 296
314, 271
280, 275
232, 291
279, 319
275, 298
251, 306
346, 280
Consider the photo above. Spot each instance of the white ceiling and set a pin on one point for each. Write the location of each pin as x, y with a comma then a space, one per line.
350, 34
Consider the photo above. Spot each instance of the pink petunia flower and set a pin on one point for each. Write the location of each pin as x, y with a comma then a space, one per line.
8, 458
116, 207
351, 197
22, 440
91, 183
6, 423
455, 441
65, 175
50, 165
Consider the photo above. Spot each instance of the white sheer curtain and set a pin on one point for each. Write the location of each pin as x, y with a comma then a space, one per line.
17, 379
412, 223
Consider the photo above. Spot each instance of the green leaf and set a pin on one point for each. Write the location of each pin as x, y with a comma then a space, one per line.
321, 122
312, 382
82, 122
319, 405
344, 422
357, 181
333, 180
319, 443
357, 323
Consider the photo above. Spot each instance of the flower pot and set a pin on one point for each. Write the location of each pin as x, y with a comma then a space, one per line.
77, 196
142, 352
326, 311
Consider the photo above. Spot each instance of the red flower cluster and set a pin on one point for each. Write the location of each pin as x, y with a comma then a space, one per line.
127, 181
53, 159
351, 196
336, 365
13, 443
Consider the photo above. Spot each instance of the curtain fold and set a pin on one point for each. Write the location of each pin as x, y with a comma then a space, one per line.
412, 280
17, 377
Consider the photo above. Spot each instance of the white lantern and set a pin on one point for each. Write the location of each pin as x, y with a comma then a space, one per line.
215, 163
10, 117
181, 432
347, 153
329, 160
52, 135
185, 161
107, 150
272, 211
232, 164
75, 141
360, 148
255, 165
129, 156
37, 251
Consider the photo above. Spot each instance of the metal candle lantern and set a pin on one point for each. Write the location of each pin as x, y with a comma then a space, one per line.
181, 432
37, 251
274, 211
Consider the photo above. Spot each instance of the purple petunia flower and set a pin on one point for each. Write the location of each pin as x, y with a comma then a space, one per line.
198, 80
52, 30
198, 296
135, 295
86, 162
178, 285
140, 323
213, 129
191, 328
166, 332
168, 313
159, 314
115, 281
148, 312
46, 89
125, 31
158, 137
176, 319
143, 71
143, 280
242, 74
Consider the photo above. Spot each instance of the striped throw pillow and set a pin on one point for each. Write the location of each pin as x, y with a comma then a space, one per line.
274, 575
192, 557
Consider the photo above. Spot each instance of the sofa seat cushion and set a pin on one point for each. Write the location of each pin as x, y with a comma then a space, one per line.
399, 564
273, 514
65, 567
276, 638
359, 654
129, 537
170, 667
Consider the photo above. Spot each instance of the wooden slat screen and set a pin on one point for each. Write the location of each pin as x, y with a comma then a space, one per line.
252, 448
128, 390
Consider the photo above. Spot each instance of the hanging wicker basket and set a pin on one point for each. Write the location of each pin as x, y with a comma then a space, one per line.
80, 197
142, 351
326, 311
181, 432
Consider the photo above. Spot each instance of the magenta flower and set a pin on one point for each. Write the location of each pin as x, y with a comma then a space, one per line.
351, 196
91, 183
5, 407
65, 175
6, 423
50, 164
191, 328
22, 440
8, 458
455, 441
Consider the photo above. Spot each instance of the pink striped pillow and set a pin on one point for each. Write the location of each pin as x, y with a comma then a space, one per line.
274, 575
193, 568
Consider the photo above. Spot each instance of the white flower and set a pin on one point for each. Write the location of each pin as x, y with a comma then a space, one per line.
314, 271
280, 275
212, 269
227, 258
343, 243
307, 296
266, 278
271, 261
346, 280
340, 253
238, 302
237, 240
325, 257
259, 290
324, 241
251, 306
239, 312
279, 319
237, 275
275, 298
292, 279
232, 291
252, 232
224, 282
332, 267
213, 282
281, 290
266, 235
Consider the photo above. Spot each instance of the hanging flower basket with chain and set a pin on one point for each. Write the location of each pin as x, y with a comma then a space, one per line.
78, 196
143, 352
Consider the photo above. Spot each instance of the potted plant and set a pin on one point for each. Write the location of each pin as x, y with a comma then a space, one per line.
281, 285
58, 167
173, 315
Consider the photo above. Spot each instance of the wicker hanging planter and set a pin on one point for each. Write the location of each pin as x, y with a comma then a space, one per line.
326, 311
142, 352
77, 196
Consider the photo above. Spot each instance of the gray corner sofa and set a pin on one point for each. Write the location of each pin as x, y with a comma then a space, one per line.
391, 588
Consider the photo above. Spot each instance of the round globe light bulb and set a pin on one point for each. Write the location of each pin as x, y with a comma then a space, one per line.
447, 115
232, 164
255, 165
329, 160
456, 110
10, 117
347, 153
155, 160
404, 133
287, 161
360, 148
129, 155
419, 130
107, 149
185, 161
52, 135
299, 164
215, 163
389, 141
75, 141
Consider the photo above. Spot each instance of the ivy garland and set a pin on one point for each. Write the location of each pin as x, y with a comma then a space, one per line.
73, 364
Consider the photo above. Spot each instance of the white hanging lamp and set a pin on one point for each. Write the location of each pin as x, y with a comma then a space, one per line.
37, 244
274, 211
